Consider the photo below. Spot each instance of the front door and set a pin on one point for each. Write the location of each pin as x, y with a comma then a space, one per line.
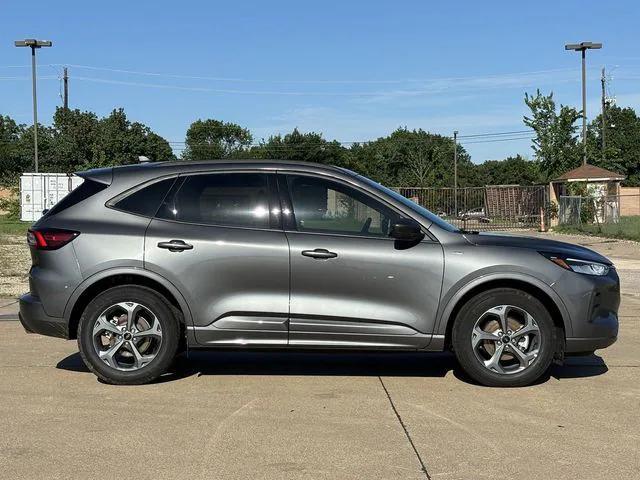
218, 240
352, 285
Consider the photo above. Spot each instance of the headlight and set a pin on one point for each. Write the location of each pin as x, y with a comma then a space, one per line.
579, 266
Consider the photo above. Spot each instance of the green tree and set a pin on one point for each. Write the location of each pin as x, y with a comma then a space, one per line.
556, 143
622, 142
75, 136
305, 147
212, 139
119, 141
12, 162
46, 158
510, 171
412, 157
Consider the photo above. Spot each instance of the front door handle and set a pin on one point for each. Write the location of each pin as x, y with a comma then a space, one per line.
175, 245
320, 253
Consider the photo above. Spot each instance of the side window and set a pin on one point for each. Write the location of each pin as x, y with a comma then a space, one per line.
146, 200
329, 207
231, 199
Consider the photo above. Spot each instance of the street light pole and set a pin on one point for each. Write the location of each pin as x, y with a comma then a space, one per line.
582, 48
33, 44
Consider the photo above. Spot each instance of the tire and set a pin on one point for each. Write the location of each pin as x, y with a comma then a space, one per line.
522, 356
154, 335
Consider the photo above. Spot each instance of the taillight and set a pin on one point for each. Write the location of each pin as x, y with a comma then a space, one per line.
49, 238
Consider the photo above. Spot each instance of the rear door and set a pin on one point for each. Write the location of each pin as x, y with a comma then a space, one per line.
352, 285
217, 238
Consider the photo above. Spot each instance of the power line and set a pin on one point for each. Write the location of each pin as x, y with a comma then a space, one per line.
313, 81
335, 143
352, 142
495, 134
40, 77
528, 137
250, 92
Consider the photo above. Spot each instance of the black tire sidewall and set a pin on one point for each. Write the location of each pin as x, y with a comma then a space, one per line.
467, 318
170, 334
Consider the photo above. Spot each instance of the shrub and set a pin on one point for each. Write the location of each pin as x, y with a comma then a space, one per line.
11, 205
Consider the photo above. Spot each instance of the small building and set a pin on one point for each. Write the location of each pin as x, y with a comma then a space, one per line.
601, 183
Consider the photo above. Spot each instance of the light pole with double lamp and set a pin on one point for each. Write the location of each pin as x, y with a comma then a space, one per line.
34, 44
583, 47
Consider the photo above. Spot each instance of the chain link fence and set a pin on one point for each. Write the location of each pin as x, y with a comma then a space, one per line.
615, 216
575, 210
493, 207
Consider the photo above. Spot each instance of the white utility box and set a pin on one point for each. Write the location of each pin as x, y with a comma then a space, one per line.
41, 191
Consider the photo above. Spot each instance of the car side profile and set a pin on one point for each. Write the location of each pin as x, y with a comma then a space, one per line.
143, 261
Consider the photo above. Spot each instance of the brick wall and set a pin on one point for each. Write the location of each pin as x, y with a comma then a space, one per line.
629, 201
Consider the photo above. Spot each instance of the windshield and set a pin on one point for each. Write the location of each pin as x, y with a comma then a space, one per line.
412, 205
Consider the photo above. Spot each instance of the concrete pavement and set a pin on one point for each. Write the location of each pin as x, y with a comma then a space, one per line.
314, 416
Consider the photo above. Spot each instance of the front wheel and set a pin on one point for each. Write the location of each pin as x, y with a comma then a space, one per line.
504, 338
128, 335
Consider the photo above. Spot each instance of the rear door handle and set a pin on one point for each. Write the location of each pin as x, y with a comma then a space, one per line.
175, 245
320, 253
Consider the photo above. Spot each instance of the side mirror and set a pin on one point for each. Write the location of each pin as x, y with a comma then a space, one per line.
406, 230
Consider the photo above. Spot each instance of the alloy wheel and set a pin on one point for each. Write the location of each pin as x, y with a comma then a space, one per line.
506, 339
127, 336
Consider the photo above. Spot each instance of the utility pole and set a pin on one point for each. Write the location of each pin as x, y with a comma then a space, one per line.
582, 48
603, 81
65, 80
34, 44
455, 173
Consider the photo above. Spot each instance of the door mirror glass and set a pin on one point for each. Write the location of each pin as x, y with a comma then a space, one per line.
406, 230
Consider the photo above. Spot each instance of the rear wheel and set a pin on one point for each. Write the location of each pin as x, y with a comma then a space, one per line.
504, 338
128, 335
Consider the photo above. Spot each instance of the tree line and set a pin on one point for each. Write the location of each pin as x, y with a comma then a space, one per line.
77, 140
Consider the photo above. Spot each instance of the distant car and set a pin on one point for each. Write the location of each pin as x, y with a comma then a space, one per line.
140, 262
475, 213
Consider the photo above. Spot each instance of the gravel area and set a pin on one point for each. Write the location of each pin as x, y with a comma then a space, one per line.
14, 265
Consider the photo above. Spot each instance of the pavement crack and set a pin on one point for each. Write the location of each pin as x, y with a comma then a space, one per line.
406, 431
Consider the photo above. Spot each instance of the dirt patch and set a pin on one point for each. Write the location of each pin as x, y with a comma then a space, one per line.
14, 265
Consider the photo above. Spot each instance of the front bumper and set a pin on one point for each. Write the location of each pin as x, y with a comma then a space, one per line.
595, 312
34, 319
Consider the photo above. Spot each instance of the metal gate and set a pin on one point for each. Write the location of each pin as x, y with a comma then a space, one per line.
494, 207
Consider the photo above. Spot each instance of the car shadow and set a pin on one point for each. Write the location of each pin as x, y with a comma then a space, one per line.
315, 363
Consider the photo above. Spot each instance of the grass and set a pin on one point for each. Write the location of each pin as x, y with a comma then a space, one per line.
13, 227
628, 228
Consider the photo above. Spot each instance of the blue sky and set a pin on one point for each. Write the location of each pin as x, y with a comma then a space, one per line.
351, 70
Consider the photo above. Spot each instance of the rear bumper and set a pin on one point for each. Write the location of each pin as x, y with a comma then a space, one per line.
34, 319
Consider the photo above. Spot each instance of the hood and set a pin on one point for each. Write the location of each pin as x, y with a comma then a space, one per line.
568, 250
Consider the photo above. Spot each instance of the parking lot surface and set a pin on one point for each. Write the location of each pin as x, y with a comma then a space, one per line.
237, 415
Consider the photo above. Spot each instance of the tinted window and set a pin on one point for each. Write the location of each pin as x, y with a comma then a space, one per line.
78, 194
234, 199
146, 200
324, 206
412, 205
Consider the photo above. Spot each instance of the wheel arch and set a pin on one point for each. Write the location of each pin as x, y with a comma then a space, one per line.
101, 281
539, 290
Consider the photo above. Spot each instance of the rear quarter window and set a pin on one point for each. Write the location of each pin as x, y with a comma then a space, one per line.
146, 200
83, 191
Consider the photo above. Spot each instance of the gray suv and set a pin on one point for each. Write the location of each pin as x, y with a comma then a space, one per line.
143, 261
